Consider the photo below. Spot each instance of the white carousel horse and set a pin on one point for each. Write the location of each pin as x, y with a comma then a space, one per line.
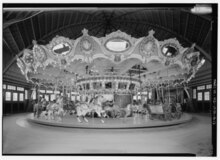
97, 107
44, 115
59, 112
94, 106
81, 111
128, 110
55, 110
51, 107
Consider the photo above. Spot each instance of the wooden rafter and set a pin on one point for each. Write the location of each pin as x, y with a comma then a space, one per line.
38, 17
186, 26
6, 43
12, 37
33, 30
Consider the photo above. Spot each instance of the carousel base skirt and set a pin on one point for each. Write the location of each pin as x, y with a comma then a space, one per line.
137, 121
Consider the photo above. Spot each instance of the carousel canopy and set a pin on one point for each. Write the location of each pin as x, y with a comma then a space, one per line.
23, 25
86, 60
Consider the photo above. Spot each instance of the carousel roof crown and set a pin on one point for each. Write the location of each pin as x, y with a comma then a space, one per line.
118, 58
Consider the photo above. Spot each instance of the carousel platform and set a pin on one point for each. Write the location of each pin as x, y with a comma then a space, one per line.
137, 121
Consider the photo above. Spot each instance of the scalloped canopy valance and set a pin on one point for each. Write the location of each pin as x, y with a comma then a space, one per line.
65, 62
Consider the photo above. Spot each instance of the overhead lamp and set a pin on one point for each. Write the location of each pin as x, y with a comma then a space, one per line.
202, 61
202, 9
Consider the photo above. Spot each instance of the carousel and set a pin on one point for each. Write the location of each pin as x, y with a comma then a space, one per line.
116, 81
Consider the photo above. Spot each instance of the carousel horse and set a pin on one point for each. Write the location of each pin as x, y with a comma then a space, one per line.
135, 108
50, 110
111, 109
70, 108
37, 109
55, 110
128, 110
59, 111
179, 110
94, 105
81, 110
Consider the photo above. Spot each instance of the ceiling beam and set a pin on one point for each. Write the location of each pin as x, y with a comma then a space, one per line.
19, 20
46, 22
16, 45
186, 26
52, 19
198, 81
196, 17
127, 13
179, 22
207, 35
58, 20
172, 19
11, 62
16, 82
32, 26
20, 36
98, 30
6, 43
68, 26
165, 18
38, 18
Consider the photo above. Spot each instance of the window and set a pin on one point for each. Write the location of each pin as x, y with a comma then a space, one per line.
87, 86
72, 98
42, 91
46, 97
8, 96
15, 96
20, 89
207, 96
26, 94
52, 97
150, 95
78, 98
200, 87
194, 93
57, 92
209, 86
97, 85
11, 87
108, 85
131, 87
21, 97
4, 86
122, 85
199, 98
34, 94
49, 91
80, 87
84, 86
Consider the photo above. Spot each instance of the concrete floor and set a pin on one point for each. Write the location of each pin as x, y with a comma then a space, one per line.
22, 137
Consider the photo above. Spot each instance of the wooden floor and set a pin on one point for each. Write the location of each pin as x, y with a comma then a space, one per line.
23, 137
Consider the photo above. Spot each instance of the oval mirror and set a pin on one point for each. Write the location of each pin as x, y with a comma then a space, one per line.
169, 51
117, 45
62, 48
